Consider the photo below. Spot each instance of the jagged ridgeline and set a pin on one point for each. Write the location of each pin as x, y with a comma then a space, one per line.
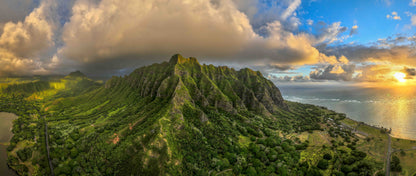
185, 81
179, 118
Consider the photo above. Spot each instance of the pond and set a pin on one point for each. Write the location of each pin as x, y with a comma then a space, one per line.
6, 124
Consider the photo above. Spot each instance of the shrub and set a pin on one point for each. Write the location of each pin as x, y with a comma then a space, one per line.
323, 164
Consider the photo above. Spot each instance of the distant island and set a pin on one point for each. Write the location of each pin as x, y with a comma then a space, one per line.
185, 118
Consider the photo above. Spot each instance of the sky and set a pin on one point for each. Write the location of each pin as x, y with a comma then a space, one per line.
287, 40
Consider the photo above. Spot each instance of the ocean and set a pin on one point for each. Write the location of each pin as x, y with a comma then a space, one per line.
388, 107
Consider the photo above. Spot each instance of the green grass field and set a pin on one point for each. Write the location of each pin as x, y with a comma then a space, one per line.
408, 163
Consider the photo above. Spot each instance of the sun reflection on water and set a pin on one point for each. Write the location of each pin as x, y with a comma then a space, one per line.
398, 109
390, 105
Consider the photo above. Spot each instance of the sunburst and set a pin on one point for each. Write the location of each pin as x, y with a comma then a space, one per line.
400, 76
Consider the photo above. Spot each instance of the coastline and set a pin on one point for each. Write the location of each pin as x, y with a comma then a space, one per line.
376, 141
378, 107
5, 169
379, 127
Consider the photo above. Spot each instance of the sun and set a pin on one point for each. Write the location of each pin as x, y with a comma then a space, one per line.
400, 76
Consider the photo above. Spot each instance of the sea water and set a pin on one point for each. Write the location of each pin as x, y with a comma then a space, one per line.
388, 107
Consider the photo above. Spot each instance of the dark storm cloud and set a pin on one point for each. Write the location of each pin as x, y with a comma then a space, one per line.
16, 10
410, 72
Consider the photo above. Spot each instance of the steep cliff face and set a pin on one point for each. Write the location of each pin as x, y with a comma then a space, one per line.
205, 86
176, 117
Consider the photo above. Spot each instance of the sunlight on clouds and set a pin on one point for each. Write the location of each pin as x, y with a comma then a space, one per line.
400, 76
13, 65
214, 29
23, 41
30, 36
107, 35
393, 16
106, 29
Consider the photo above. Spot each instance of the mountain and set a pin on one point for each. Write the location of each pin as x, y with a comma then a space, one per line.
76, 74
184, 80
178, 118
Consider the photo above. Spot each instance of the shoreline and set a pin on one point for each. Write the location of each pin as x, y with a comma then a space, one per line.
10, 169
388, 131
378, 127
6, 144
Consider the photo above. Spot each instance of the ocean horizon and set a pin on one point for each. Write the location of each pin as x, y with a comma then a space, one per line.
377, 106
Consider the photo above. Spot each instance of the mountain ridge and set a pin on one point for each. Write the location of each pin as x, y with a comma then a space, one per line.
204, 83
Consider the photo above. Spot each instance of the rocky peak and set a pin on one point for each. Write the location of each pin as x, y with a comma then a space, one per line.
77, 74
179, 59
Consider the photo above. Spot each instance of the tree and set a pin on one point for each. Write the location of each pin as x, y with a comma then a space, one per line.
346, 169
251, 171
74, 153
327, 156
402, 152
323, 164
395, 164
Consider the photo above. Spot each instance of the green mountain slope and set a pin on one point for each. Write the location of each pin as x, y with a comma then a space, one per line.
184, 118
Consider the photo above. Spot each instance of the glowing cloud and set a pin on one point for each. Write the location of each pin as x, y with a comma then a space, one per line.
400, 76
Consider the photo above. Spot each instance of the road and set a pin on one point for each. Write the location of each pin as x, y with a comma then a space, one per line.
47, 147
388, 157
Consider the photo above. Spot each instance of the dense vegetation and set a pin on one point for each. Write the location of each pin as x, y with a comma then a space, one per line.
178, 118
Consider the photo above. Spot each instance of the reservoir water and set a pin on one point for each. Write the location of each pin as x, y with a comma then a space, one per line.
389, 107
6, 124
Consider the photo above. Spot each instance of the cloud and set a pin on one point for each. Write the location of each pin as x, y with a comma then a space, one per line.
412, 3
25, 38
23, 42
287, 78
283, 11
395, 50
413, 20
248, 7
393, 16
354, 30
337, 72
101, 34
387, 2
13, 65
329, 33
333, 68
114, 37
410, 72
109, 36
16, 10
309, 22
280, 47
374, 73
291, 8
106, 30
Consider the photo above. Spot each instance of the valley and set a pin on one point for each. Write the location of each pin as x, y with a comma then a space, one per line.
185, 118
